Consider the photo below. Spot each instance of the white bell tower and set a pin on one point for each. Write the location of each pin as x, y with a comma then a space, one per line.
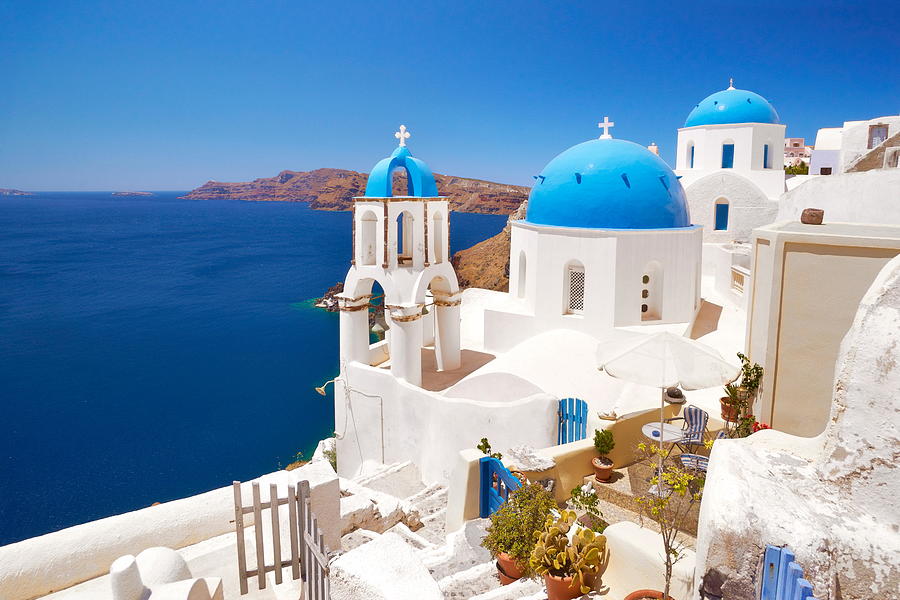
403, 243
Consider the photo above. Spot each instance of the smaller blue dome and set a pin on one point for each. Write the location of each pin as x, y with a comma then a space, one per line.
419, 179
608, 184
732, 106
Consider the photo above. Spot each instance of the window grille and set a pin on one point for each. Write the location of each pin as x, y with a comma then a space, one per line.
576, 290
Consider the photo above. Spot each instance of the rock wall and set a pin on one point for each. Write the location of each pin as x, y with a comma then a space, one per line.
486, 264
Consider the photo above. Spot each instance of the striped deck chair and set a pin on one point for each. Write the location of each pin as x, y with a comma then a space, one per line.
694, 462
694, 428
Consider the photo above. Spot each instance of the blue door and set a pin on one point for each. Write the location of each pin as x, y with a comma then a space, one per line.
721, 216
572, 420
727, 156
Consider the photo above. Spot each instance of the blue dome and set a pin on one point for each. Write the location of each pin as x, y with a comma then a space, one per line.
608, 184
732, 106
419, 179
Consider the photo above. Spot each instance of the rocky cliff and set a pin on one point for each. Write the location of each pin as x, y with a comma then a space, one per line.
334, 189
486, 264
11, 192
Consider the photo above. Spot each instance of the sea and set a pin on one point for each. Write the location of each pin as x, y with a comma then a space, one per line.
152, 348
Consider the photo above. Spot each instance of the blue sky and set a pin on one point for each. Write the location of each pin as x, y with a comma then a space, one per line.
167, 95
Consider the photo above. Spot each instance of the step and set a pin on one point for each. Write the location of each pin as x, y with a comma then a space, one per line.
521, 589
430, 500
399, 479
473, 581
461, 550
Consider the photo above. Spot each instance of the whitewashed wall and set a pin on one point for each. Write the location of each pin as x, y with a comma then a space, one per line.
748, 206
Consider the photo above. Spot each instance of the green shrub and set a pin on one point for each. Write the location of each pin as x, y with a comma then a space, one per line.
515, 526
603, 441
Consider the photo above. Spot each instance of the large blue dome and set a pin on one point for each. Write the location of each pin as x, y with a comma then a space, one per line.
732, 106
608, 184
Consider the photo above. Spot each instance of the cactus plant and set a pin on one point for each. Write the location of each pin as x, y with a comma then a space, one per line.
557, 555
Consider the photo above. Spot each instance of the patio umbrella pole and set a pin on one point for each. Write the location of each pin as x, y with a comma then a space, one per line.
662, 424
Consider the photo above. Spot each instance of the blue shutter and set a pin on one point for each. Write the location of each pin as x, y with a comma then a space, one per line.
727, 156
721, 216
692, 157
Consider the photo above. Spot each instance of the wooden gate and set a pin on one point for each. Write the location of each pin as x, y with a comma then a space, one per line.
308, 554
572, 415
782, 578
496, 484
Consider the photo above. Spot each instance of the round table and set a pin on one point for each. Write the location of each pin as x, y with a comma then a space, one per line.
669, 433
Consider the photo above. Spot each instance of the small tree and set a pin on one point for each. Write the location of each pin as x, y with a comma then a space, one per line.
515, 526
603, 441
673, 492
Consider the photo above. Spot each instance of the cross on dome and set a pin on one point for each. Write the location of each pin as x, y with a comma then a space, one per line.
402, 135
605, 125
731, 83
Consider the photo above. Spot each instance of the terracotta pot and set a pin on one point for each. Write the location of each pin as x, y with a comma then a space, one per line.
504, 578
560, 588
646, 595
602, 470
730, 412
508, 568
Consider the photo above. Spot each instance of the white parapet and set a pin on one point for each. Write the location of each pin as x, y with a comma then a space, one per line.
55, 561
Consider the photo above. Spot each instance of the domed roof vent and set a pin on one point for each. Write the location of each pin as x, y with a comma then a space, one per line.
608, 184
419, 179
732, 106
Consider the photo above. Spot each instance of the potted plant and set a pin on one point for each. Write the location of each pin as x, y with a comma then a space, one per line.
603, 466
568, 557
673, 492
731, 403
514, 528
751, 379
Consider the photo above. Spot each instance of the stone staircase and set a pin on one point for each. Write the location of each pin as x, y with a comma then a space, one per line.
377, 524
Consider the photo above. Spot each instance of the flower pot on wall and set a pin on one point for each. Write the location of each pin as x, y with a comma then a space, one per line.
560, 588
508, 569
603, 468
730, 412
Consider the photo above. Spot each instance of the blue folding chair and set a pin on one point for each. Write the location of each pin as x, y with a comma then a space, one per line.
694, 427
694, 462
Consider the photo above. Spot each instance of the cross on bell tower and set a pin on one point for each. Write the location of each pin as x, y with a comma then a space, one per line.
605, 125
402, 135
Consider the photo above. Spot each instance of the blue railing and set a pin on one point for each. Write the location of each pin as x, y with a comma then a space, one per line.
496, 484
572, 420
783, 577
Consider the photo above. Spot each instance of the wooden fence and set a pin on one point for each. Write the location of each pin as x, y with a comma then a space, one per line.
308, 553
572, 415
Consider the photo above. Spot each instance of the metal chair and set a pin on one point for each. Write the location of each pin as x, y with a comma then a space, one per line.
694, 462
694, 428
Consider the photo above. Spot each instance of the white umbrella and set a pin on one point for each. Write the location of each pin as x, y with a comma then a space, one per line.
666, 360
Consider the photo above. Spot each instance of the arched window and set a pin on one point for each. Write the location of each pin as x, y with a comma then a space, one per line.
690, 155
651, 292
728, 155
368, 233
520, 290
437, 237
766, 164
404, 239
721, 214
574, 288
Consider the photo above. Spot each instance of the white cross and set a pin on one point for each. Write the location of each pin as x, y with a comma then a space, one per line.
731, 83
605, 125
402, 135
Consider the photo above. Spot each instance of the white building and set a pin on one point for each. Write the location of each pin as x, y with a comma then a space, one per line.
796, 151
607, 242
857, 146
731, 163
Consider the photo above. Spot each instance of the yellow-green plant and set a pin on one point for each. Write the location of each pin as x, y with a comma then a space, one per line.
516, 524
579, 558
673, 492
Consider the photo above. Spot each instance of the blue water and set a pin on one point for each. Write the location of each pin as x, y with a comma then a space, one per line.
155, 348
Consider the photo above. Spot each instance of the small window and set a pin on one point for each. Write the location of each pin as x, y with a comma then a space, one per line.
691, 156
877, 135
644, 308
645, 279
727, 156
721, 215
825, 171
766, 157
576, 290
645, 293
